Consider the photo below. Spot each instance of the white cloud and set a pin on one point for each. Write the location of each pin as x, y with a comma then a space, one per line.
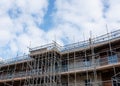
83, 14
87, 16
18, 25
5, 37
113, 13
78, 10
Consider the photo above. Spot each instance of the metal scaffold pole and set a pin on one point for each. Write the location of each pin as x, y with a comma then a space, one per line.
110, 48
85, 58
93, 58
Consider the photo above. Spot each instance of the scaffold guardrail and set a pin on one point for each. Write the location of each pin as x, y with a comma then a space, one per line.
15, 60
96, 40
50, 46
81, 44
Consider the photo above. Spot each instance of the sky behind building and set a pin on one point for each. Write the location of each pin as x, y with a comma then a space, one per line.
31, 23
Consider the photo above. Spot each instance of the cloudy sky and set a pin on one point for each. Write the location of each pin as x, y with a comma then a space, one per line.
30, 23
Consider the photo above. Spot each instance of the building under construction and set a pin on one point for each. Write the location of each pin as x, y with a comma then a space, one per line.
92, 62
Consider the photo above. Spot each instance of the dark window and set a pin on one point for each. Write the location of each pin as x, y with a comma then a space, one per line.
88, 82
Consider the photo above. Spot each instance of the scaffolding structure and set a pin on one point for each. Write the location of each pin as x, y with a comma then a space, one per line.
85, 63
116, 79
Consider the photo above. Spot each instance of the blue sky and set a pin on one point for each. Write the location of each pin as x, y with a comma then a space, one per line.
31, 23
48, 17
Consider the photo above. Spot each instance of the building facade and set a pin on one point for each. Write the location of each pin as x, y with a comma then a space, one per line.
92, 62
